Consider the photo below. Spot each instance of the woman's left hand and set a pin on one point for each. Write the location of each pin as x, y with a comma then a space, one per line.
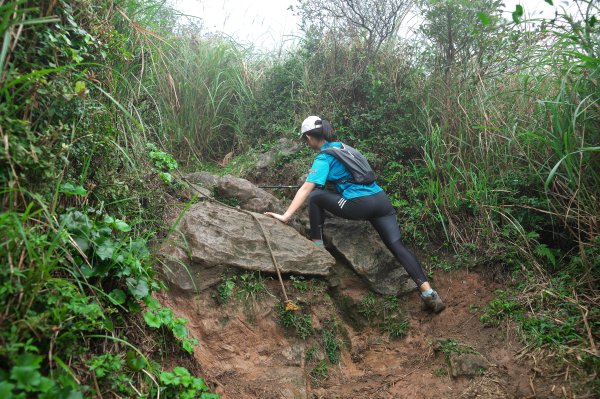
281, 218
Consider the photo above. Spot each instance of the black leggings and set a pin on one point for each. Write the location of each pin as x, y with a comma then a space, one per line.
375, 208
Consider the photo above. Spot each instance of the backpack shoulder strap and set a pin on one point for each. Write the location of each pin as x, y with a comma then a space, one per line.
333, 150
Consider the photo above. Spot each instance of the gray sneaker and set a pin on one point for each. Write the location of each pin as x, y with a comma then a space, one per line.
433, 302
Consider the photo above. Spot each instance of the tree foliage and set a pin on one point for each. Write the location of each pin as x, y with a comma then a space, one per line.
462, 31
372, 21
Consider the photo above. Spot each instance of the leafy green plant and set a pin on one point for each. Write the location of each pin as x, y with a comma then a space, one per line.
157, 317
26, 379
441, 263
182, 384
163, 162
299, 283
225, 290
301, 323
103, 365
500, 307
109, 252
110, 370
250, 286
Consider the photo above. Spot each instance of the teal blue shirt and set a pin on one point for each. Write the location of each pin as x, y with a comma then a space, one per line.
326, 168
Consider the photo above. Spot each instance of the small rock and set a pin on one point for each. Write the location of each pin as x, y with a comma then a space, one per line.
467, 364
284, 148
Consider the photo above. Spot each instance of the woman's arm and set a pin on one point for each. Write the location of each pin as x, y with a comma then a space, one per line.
299, 198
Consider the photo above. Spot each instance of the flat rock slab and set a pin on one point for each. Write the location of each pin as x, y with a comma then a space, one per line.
360, 245
211, 238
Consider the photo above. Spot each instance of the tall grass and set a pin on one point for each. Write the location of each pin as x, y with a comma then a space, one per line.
513, 165
201, 86
531, 125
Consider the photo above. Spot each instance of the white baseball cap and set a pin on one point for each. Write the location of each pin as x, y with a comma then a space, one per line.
310, 123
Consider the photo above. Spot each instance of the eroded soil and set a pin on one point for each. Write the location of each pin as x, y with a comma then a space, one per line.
245, 353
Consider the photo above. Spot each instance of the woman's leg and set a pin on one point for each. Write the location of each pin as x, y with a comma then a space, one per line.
382, 215
388, 230
376, 208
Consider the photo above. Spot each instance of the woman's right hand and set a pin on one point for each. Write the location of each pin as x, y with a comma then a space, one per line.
282, 218
299, 198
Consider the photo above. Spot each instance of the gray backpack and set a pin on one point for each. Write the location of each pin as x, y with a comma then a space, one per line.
355, 162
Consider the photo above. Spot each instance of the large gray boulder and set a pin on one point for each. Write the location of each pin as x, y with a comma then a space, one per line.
360, 245
211, 238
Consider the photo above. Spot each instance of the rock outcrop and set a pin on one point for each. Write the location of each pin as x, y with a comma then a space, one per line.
211, 238
249, 196
204, 179
359, 244
246, 195
285, 147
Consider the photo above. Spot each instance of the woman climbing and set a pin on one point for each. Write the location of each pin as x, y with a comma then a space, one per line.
351, 201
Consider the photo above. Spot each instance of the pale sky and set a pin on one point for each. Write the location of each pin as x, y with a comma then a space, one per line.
269, 24
265, 23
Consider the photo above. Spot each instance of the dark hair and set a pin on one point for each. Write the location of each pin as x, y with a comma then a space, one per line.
325, 131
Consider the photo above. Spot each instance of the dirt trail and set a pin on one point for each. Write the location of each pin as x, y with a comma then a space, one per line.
245, 353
